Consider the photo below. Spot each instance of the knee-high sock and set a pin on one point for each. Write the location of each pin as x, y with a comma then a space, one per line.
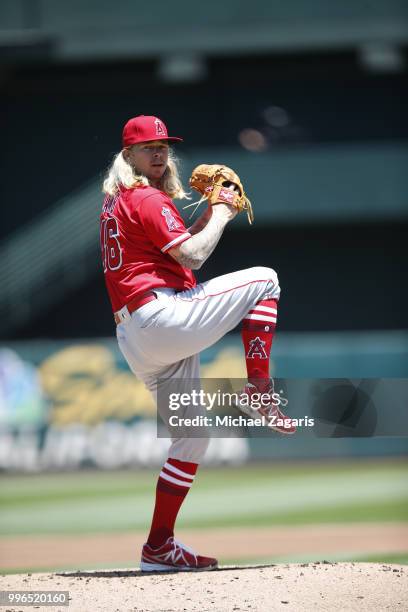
173, 484
258, 328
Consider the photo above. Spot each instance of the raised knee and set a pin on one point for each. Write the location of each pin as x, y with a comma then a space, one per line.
263, 273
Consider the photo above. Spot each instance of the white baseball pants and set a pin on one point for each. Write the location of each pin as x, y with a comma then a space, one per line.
162, 339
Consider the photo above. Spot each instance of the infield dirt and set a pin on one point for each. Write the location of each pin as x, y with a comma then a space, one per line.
353, 540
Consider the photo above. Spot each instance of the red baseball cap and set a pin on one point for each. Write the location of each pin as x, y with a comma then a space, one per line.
145, 128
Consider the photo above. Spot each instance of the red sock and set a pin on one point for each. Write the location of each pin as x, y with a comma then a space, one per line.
173, 485
258, 329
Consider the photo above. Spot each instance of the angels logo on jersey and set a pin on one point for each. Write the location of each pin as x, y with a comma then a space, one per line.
256, 348
172, 224
159, 128
226, 195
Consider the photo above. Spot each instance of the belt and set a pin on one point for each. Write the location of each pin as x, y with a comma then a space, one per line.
133, 305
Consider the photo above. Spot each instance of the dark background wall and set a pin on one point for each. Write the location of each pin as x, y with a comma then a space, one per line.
61, 125
332, 277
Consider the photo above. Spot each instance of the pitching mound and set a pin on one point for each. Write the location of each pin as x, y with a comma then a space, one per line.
307, 586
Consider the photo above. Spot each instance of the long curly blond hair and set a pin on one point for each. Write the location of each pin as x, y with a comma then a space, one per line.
122, 173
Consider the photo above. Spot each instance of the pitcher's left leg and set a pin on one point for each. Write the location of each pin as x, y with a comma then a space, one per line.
251, 296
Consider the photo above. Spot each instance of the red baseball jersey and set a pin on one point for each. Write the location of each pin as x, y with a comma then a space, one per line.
138, 227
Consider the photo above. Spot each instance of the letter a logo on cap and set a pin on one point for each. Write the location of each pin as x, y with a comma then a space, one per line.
159, 128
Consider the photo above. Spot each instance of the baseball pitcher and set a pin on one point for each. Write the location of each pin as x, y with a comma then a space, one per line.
164, 318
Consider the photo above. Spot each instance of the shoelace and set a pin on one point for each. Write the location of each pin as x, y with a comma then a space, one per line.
273, 409
176, 554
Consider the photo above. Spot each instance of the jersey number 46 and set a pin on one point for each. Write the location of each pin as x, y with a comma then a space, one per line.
110, 245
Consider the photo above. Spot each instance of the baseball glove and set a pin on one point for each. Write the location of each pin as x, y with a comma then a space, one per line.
213, 182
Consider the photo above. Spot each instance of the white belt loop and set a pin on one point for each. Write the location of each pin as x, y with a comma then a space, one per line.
123, 314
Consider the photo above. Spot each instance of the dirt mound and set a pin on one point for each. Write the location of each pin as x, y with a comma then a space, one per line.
306, 586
